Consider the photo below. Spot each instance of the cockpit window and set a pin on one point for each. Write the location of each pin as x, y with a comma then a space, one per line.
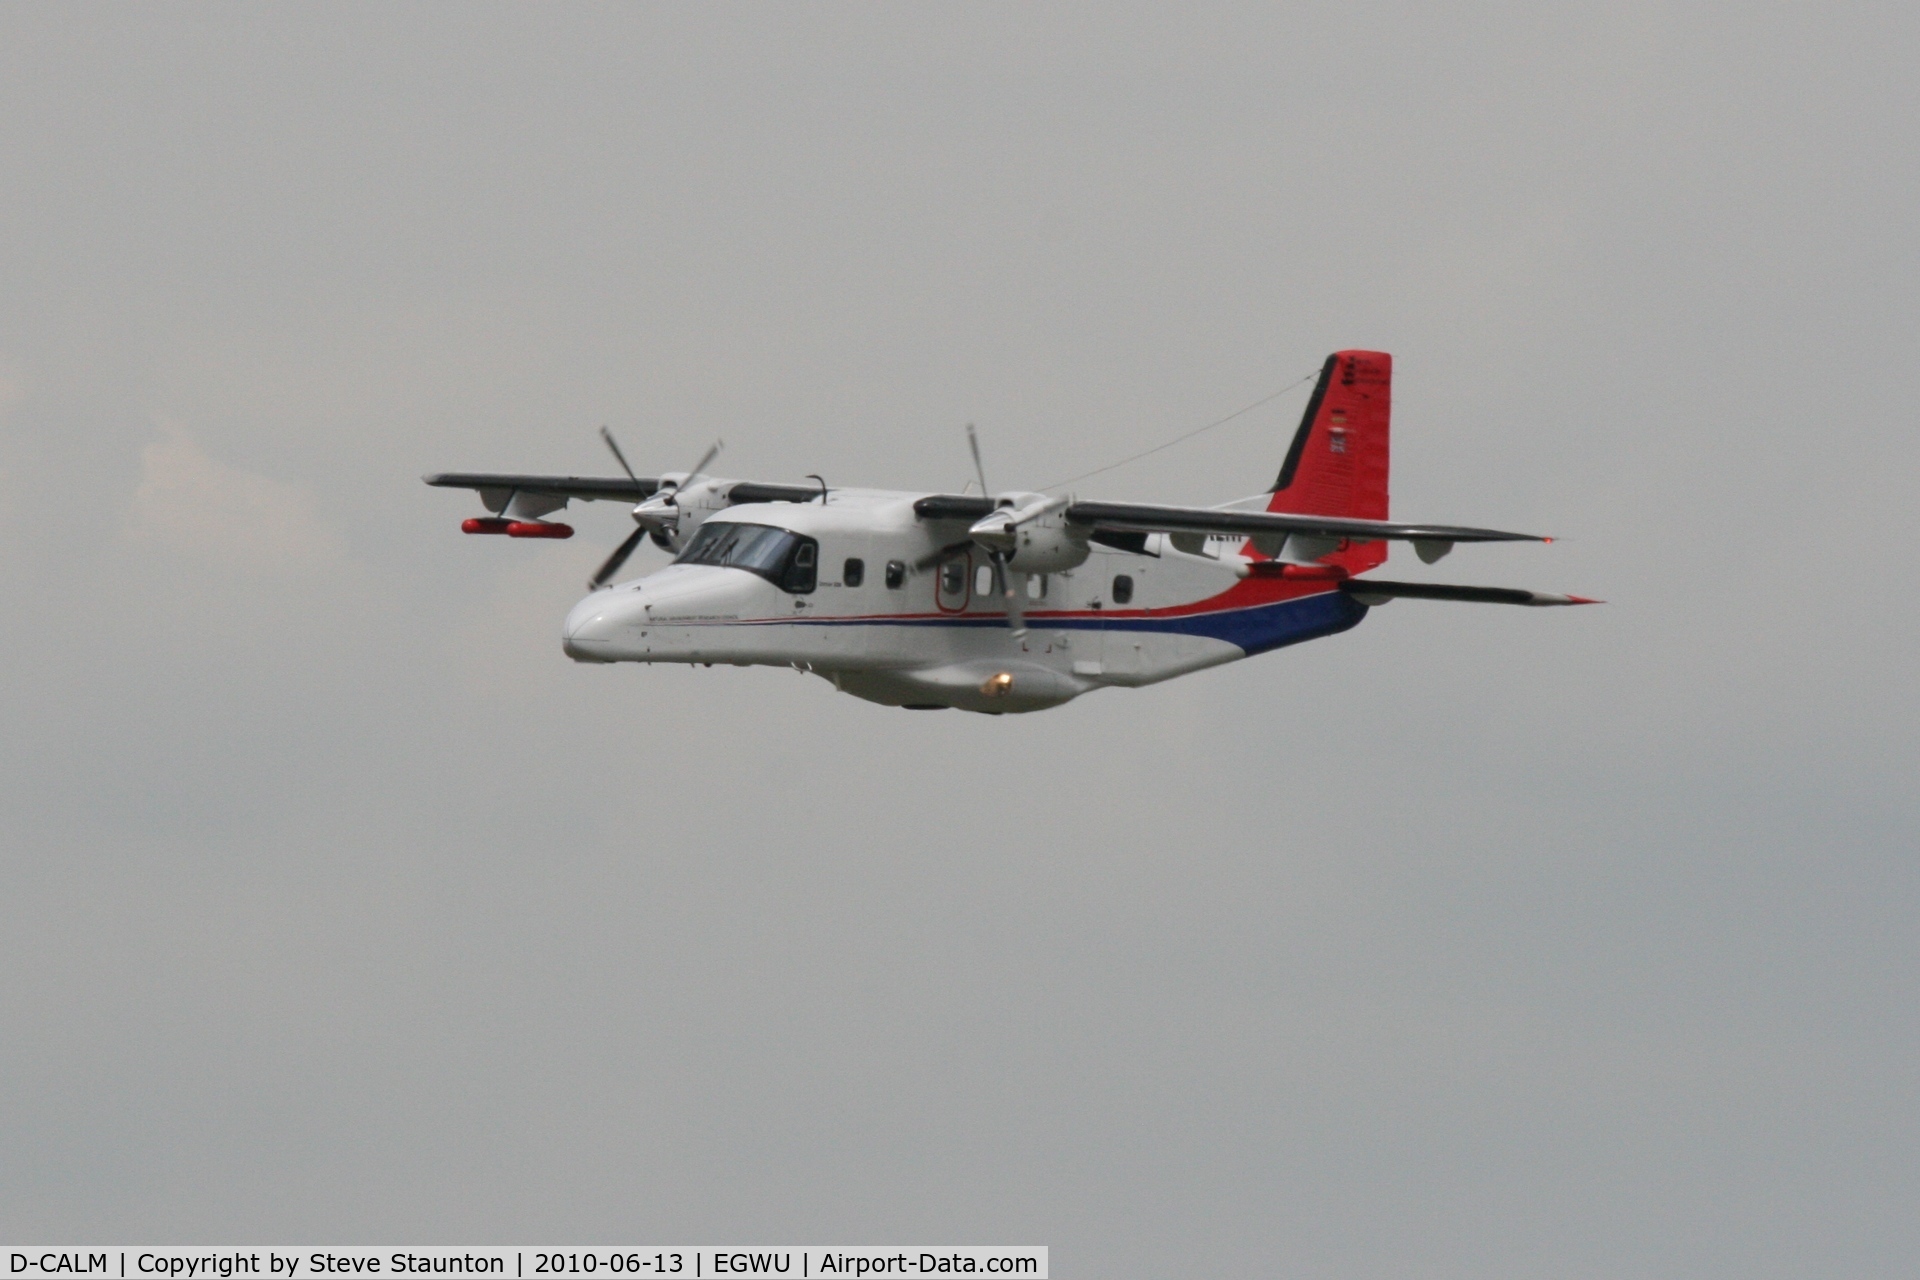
783, 558
803, 567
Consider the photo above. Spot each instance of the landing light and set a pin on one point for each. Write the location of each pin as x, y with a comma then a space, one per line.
998, 686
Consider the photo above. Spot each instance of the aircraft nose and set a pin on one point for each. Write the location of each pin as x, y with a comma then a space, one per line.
591, 628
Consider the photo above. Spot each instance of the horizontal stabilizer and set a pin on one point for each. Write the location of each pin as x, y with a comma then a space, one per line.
1370, 591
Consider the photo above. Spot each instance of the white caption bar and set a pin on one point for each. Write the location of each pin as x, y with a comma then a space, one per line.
680, 1262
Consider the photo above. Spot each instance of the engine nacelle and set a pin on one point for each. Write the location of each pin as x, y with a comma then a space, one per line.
1048, 545
672, 516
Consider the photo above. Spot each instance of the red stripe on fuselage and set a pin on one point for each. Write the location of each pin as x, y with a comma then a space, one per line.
1247, 593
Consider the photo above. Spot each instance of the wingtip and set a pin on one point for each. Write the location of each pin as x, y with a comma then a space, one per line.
1583, 600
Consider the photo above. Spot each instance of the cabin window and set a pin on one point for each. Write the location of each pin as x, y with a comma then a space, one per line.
1036, 586
983, 580
1122, 589
896, 574
853, 573
953, 585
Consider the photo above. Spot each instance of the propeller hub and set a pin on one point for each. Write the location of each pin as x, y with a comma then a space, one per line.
999, 530
660, 511
996, 532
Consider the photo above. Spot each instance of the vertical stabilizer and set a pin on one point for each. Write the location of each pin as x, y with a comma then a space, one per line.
1337, 465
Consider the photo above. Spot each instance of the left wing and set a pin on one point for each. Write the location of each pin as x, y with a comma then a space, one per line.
496, 490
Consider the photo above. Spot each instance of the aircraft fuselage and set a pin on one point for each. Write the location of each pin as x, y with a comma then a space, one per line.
855, 592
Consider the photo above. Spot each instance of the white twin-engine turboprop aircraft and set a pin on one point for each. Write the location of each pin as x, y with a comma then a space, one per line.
1010, 602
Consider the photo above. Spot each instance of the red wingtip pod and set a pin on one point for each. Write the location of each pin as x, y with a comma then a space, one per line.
1315, 572
484, 524
1293, 572
538, 529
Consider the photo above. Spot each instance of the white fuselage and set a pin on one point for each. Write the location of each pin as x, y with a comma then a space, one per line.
937, 635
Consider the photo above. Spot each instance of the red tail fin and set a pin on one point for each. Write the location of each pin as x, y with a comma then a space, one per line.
1338, 463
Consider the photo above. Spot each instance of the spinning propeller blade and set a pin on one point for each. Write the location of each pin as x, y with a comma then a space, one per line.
1009, 596
700, 467
652, 515
613, 562
618, 456
933, 558
996, 547
618, 558
643, 526
973, 443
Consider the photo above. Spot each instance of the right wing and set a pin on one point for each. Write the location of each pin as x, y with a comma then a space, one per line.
1142, 518
1136, 517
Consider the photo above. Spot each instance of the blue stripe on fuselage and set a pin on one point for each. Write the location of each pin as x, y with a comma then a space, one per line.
1254, 630
1262, 627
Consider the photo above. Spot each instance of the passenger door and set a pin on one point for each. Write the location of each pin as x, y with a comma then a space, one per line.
1123, 651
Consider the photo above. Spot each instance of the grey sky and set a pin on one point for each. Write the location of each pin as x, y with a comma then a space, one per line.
336, 905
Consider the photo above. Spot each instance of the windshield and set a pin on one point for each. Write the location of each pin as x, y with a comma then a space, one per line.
782, 557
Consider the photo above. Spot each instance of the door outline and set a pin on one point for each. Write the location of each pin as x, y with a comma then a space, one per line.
940, 593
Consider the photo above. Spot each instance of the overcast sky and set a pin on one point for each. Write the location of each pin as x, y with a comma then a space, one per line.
336, 905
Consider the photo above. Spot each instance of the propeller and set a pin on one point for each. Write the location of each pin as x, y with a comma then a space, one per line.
1002, 578
700, 467
656, 512
605, 573
618, 456
1010, 598
947, 552
973, 443
613, 562
995, 534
